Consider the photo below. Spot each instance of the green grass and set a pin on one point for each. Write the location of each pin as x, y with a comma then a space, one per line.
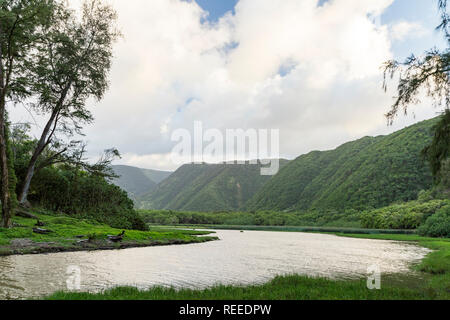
291, 287
432, 282
65, 229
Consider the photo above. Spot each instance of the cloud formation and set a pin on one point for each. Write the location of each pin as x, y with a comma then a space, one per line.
311, 71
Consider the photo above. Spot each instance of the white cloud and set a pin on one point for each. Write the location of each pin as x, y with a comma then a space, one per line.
403, 30
156, 161
171, 69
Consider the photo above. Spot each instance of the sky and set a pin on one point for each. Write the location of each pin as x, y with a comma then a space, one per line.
307, 67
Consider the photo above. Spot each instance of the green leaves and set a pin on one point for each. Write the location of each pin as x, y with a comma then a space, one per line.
439, 150
430, 73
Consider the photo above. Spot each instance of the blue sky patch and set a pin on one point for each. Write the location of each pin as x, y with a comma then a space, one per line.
217, 8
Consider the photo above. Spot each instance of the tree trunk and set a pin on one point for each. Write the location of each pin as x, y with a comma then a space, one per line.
26, 184
43, 142
5, 196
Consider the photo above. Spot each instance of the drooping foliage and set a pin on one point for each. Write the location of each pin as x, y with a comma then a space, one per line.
430, 73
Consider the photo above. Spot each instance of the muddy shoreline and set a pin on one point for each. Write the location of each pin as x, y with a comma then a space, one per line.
26, 246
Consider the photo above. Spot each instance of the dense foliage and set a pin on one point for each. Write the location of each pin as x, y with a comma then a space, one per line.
431, 215
409, 215
437, 225
266, 218
77, 193
364, 174
438, 152
68, 188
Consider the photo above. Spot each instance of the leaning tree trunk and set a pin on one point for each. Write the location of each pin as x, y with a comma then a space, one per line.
43, 142
27, 181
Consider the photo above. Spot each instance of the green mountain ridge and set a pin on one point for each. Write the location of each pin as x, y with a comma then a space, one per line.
136, 181
371, 172
207, 187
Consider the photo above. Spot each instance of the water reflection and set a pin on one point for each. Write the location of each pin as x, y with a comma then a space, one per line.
238, 258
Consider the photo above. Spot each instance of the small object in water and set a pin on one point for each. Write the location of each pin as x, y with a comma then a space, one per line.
39, 224
117, 238
41, 231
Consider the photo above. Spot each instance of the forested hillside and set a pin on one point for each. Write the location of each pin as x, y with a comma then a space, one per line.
132, 180
155, 175
136, 181
207, 187
367, 173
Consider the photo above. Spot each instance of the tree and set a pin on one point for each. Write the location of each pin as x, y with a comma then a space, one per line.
70, 65
432, 74
437, 153
57, 154
21, 22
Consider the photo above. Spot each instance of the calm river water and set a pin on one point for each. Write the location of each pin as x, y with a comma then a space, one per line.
238, 258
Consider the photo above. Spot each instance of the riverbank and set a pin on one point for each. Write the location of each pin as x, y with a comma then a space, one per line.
68, 234
431, 281
333, 230
292, 287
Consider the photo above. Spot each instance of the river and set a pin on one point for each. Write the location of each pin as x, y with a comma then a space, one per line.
238, 258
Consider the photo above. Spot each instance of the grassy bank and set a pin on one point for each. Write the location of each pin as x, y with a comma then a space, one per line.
431, 282
69, 234
281, 288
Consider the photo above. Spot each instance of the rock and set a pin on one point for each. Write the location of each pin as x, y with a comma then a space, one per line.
117, 238
41, 231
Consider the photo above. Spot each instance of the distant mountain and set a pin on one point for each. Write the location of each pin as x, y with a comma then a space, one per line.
207, 187
370, 172
155, 175
137, 181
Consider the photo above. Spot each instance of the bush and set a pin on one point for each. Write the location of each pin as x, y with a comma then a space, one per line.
409, 215
80, 194
437, 225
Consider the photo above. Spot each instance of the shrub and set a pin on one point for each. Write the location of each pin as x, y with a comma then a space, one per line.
409, 215
437, 225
